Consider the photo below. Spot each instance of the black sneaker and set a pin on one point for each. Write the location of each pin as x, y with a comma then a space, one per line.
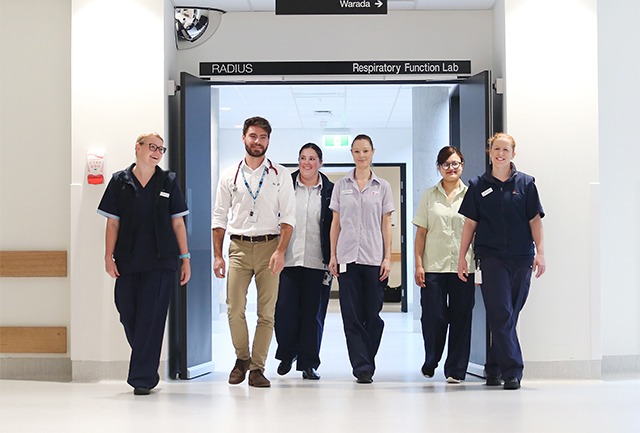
427, 372
493, 380
141, 391
310, 373
285, 367
512, 383
365, 377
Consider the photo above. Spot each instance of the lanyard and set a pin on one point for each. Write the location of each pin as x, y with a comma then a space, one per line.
254, 197
234, 188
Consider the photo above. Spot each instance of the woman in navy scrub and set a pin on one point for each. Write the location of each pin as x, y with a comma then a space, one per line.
145, 236
361, 243
447, 302
305, 282
503, 209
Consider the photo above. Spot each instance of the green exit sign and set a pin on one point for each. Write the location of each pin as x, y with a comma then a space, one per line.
336, 140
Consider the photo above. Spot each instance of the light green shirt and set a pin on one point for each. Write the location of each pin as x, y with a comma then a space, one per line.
444, 229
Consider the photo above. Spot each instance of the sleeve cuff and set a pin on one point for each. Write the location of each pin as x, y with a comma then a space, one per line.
180, 214
108, 215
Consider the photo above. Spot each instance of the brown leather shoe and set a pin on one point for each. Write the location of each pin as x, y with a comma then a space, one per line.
239, 371
257, 379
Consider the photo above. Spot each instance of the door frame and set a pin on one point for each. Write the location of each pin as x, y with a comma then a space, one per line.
325, 81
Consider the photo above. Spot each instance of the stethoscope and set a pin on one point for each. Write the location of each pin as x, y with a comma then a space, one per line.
234, 187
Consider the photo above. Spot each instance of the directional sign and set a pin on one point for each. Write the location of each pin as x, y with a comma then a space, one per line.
331, 7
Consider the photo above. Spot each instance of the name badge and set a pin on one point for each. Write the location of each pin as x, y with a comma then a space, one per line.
375, 192
253, 216
347, 191
487, 191
164, 194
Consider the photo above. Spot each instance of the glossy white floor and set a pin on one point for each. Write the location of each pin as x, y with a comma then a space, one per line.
399, 400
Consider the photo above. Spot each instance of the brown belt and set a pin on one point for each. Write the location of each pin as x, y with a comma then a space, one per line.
253, 239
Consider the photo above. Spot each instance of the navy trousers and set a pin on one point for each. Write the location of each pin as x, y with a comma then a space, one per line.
505, 287
300, 312
142, 299
447, 303
361, 298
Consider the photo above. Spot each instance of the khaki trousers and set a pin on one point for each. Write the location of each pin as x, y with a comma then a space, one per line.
247, 259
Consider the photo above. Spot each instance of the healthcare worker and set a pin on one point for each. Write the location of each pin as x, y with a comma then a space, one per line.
305, 282
145, 240
447, 302
361, 255
504, 213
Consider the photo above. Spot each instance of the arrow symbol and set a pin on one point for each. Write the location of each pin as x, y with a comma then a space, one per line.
379, 3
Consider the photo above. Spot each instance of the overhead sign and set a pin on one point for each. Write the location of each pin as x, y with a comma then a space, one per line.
331, 7
336, 140
378, 67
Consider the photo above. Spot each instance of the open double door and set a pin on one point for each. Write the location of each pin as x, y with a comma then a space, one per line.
473, 121
190, 318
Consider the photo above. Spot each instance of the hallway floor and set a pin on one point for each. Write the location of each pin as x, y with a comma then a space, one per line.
399, 400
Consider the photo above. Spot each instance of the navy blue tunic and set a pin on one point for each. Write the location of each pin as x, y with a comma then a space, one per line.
503, 211
144, 255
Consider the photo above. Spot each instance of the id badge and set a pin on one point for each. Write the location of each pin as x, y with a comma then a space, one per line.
478, 277
253, 216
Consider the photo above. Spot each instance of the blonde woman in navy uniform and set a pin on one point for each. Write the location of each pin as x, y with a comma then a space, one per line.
504, 213
145, 237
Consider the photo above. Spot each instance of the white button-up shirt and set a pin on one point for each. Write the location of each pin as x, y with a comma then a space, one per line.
304, 247
274, 205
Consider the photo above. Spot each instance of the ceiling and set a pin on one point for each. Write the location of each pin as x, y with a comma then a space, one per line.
331, 107
392, 5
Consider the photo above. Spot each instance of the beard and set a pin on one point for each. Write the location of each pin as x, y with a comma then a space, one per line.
255, 153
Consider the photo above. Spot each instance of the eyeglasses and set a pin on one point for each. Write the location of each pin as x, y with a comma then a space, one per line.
153, 148
454, 165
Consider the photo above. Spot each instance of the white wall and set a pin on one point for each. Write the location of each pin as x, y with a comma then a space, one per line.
619, 42
552, 111
118, 92
35, 135
416, 35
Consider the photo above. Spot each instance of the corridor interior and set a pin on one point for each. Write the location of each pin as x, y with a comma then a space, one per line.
399, 400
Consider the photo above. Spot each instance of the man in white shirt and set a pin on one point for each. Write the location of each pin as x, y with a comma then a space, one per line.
261, 197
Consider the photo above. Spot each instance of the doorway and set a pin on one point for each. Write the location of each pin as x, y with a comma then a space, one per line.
400, 146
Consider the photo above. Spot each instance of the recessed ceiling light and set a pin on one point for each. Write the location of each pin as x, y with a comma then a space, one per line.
225, 108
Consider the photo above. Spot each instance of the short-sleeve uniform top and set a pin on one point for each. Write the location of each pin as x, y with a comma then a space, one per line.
503, 211
361, 212
144, 247
444, 229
